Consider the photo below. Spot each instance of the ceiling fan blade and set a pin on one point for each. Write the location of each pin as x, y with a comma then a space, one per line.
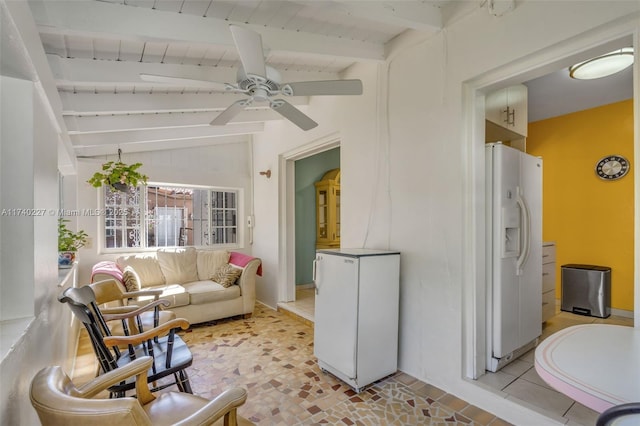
234, 109
327, 87
249, 45
165, 79
293, 114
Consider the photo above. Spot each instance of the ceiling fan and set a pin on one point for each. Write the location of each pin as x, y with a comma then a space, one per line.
261, 82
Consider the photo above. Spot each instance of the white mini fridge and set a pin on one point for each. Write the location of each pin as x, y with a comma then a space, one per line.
356, 314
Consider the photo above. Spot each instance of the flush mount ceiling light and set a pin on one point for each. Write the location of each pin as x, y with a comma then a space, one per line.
602, 66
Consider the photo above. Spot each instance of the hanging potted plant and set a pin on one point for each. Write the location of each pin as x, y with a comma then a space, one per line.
68, 244
118, 175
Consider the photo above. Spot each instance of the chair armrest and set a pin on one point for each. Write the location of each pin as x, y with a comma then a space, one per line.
136, 339
140, 293
136, 312
225, 404
115, 310
105, 381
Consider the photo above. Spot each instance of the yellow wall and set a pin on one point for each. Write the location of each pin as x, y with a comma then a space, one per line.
590, 220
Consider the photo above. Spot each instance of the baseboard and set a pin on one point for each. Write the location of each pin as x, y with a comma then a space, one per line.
616, 312
622, 313
267, 306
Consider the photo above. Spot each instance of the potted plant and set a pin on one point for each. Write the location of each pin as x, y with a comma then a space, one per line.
68, 244
118, 175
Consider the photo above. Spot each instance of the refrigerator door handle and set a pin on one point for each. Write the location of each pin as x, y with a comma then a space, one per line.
526, 231
315, 285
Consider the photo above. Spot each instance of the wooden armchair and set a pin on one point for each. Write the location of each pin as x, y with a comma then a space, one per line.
113, 300
171, 356
59, 402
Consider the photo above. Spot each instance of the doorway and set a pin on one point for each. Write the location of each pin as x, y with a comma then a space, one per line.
288, 238
308, 171
474, 289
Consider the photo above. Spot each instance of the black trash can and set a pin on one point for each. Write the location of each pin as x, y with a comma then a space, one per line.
586, 290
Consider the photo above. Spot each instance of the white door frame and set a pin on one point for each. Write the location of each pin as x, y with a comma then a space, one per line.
287, 255
474, 315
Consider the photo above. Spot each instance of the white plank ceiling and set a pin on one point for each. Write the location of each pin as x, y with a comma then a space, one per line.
98, 49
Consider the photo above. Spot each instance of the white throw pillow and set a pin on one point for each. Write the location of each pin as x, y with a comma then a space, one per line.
209, 261
178, 265
146, 266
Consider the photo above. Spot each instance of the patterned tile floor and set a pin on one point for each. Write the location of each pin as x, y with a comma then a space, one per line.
271, 355
518, 381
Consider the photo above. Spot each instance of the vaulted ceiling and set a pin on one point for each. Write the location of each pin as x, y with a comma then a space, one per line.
97, 50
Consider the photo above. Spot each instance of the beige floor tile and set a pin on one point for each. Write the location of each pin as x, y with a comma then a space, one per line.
498, 380
540, 396
519, 378
582, 415
532, 376
517, 367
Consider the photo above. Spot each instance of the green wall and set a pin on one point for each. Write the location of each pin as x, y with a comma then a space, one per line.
308, 171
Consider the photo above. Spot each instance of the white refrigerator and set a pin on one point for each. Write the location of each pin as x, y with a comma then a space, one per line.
356, 314
514, 253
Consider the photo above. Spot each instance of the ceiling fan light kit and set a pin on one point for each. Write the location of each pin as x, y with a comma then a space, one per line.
261, 82
603, 66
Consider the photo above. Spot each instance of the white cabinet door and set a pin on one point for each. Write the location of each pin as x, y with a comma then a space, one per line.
508, 109
517, 105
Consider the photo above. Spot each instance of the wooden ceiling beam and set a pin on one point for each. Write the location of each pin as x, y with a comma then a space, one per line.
108, 123
138, 136
118, 21
88, 103
107, 149
90, 72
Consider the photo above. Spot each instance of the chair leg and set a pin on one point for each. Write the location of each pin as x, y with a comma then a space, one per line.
118, 394
183, 384
231, 418
178, 382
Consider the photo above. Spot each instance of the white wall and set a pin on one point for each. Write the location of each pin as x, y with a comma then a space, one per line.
351, 117
29, 272
17, 149
226, 165
403, 188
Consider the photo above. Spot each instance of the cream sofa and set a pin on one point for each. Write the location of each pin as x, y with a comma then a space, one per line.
184, 276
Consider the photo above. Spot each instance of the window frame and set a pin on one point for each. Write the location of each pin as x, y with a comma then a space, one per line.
240, 201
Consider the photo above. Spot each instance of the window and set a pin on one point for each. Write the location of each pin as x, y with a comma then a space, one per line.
166, 215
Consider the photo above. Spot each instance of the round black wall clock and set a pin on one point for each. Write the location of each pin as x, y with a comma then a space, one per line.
612, 167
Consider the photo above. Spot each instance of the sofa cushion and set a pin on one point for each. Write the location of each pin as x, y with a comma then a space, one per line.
130, 279
207, 291
146, 266
179, 265
208, 262
226, 275
175, 294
